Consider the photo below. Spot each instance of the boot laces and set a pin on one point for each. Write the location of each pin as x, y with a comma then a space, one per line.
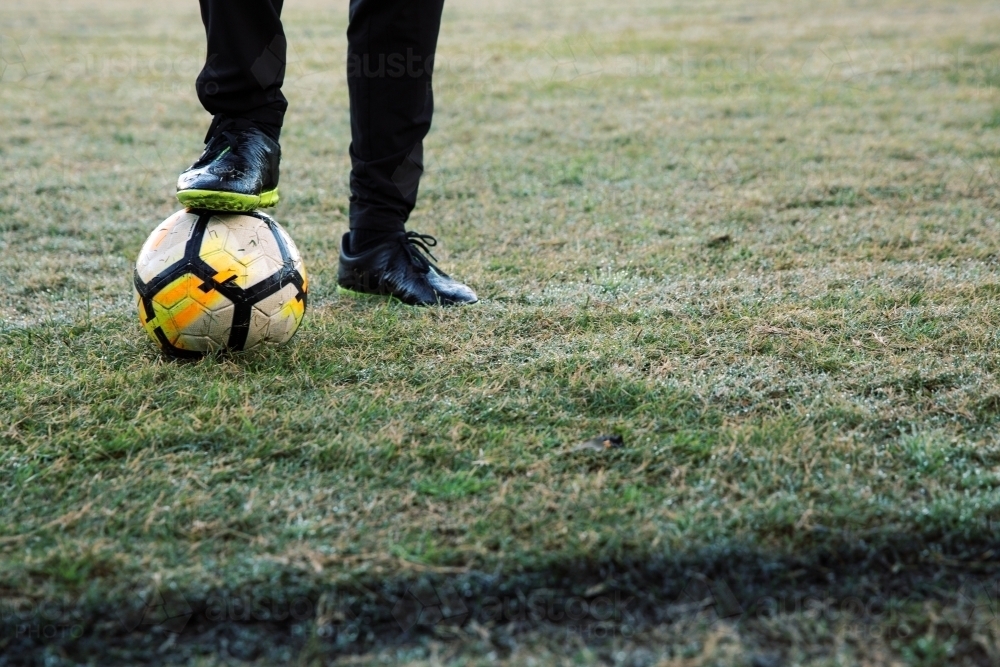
416, 245
223, 142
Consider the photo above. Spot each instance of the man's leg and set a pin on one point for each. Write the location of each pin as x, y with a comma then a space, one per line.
240, 86
390, 56
245, 65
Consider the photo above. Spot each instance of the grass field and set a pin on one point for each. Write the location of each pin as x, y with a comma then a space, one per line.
757, 240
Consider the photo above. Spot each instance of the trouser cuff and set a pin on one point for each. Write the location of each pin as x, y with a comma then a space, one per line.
264, 119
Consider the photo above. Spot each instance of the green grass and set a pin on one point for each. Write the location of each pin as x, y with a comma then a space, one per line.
759, 242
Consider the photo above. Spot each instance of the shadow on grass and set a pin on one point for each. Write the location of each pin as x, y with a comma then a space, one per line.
884, 584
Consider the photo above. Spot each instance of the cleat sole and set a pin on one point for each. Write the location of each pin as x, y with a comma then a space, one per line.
368, 296
215, 200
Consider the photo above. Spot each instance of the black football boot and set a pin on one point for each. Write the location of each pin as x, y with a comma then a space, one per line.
238, 172
398, 269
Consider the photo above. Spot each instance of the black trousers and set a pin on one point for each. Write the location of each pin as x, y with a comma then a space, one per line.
390, 58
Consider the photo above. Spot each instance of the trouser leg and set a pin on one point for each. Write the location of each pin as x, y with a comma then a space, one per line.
245, 65
390, 55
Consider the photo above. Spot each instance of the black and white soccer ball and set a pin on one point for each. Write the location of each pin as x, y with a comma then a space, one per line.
208, 281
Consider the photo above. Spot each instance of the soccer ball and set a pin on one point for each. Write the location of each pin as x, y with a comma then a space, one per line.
208, 281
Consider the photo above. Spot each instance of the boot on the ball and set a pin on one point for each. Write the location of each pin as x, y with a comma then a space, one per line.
238, 172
